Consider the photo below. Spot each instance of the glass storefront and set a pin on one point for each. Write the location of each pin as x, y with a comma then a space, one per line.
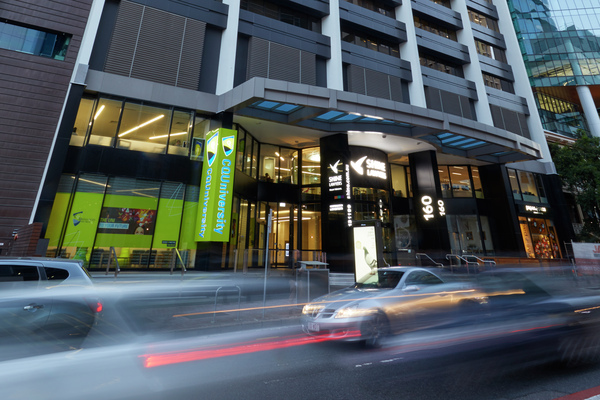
539, 237
141, 220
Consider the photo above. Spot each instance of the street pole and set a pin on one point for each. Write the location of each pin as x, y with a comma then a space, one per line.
269, 221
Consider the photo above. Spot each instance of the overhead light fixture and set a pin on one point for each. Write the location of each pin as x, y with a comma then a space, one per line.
142, 125
164, 136
99, 112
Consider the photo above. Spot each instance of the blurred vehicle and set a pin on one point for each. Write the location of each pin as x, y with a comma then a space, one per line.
391, 301
547, 314
46, 301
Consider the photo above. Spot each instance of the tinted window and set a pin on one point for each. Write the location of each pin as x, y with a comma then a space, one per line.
56, 274
13, 273
422, 278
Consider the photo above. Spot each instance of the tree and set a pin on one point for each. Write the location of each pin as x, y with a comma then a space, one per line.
579, 168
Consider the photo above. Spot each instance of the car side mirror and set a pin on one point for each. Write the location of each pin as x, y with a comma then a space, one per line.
410, 288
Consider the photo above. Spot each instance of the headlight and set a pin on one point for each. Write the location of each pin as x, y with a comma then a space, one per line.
353, 312
312, 309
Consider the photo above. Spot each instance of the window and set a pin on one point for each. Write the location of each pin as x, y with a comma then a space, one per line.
283, 14
18, 273
498, 83
422, 278
138, 126
398, 180
311, 166
33, 41
372, 43
435, 28
484, 21
376, 6
490, 51
278, 164
441, 65
445, 3
456, 182
56, 274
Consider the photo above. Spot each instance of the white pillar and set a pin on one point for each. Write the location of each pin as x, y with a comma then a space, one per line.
589, 109
229, 40
409, 51
472, 70
331, 28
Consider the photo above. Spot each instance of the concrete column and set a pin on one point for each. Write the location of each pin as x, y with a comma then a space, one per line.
228, 51
331, 28
472, 70
589, 109
410, 52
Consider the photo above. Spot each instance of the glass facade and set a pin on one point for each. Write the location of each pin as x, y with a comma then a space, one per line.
33, 41
560, 45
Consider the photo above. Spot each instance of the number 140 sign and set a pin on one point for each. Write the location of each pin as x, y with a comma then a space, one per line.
428, 208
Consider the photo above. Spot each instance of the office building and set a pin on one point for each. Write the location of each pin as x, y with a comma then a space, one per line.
560, 46
190, 125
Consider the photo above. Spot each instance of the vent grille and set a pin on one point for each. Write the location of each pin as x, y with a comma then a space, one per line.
171, 55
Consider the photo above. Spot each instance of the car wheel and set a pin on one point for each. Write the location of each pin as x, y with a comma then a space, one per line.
374, 330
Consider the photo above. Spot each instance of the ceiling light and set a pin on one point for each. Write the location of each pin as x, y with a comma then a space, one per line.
164, 136
99, 111
142, 125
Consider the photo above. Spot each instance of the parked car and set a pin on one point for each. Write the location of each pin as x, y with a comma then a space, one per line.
46, 300
391, 301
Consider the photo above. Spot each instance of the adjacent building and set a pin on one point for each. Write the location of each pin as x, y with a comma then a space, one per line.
561, 47
222, 129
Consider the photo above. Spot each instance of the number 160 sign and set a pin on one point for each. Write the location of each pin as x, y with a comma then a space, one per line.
428, 208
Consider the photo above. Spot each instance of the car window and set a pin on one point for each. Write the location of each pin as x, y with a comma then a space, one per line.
56, 274
422, 278
380, 280
17, 273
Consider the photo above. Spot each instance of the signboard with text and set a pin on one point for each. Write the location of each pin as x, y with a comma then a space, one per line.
216, 190
587, 258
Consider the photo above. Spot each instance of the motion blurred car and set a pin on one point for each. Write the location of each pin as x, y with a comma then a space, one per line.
46, 300
391, 301
547, 312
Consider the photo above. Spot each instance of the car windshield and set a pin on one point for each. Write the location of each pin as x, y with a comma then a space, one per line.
379, 280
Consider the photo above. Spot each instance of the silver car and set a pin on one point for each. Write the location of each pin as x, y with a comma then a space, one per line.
391, 301
46, 300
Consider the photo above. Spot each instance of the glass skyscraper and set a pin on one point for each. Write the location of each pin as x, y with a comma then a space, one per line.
560, 43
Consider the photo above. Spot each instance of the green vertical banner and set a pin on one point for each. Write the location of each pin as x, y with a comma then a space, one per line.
216, 191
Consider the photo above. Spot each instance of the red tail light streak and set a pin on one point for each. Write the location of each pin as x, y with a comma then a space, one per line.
162, 359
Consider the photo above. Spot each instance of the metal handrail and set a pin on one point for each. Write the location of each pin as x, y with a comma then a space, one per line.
230, 288
491, 262
467, 262
437, 264
174, 261
112, 252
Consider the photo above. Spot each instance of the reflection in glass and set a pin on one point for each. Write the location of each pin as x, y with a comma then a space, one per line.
477, 183
144, 128
179, 137
83, 122
398, 180
269, 163
311, 166
514, 184
311, 227
445, 181
461, 183
528, 187
105, 121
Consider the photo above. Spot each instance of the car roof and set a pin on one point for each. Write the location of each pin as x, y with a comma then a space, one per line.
48, 262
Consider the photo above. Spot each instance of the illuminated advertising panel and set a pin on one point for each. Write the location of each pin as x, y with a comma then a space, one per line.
367, 248
216, 190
